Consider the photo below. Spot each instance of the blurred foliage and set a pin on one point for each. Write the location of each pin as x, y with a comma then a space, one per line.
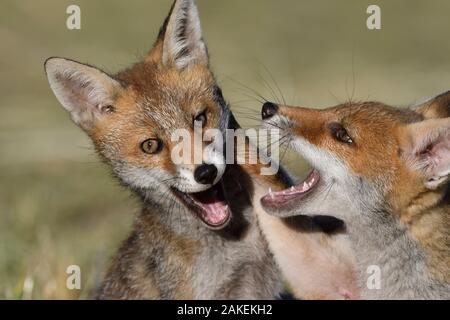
58, 204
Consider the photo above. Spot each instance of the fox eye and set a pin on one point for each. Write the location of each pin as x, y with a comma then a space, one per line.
107, 108
339, 133
151, 146
201, 118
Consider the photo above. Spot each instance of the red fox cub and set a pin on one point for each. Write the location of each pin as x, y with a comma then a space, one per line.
189, 241
385, 172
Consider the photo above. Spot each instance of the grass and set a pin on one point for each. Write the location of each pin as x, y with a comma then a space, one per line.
58, 204
55, 215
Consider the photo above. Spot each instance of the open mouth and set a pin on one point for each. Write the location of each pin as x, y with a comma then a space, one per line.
300, 190
210, 205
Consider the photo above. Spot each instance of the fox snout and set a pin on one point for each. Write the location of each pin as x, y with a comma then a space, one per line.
270, 115
205, 174
274, 113
269, 109
276, 117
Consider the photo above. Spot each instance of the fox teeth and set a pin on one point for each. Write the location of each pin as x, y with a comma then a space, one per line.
270, 193
292, 188
305, 186
312, 180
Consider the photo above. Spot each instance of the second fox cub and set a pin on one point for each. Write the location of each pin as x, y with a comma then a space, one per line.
385, 172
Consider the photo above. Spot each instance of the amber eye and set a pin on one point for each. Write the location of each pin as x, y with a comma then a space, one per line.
151, 146
339, 133
201, 118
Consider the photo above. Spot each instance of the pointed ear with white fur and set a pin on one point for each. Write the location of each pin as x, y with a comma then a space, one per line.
182, 41
426, 147
86, 92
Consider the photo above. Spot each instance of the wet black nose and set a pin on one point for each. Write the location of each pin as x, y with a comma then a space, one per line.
269, 109
205, 174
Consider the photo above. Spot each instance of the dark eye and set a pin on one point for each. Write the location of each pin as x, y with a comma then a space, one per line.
201, 118
107, 108
339, 133
151, 146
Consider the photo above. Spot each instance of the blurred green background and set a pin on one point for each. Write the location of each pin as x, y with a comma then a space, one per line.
59, 206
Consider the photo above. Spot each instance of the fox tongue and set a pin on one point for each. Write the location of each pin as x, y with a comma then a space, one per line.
215, 213
212, 201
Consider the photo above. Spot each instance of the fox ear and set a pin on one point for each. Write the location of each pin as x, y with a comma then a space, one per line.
437, 107
86, 92
181, 36
426, 146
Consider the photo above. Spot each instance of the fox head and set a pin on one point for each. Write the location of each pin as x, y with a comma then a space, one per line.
366, 157
130, 116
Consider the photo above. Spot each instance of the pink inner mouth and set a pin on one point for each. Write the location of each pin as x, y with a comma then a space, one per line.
209, 205
278, 198
215, 210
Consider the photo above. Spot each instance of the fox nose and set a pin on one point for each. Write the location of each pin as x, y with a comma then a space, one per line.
269, 109
205, 174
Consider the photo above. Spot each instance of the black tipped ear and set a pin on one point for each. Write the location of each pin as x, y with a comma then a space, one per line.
181, 37
86, 92
437, 107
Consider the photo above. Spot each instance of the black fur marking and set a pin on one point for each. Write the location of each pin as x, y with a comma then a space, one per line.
319, 223
218, 96
328, 224
163, 29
